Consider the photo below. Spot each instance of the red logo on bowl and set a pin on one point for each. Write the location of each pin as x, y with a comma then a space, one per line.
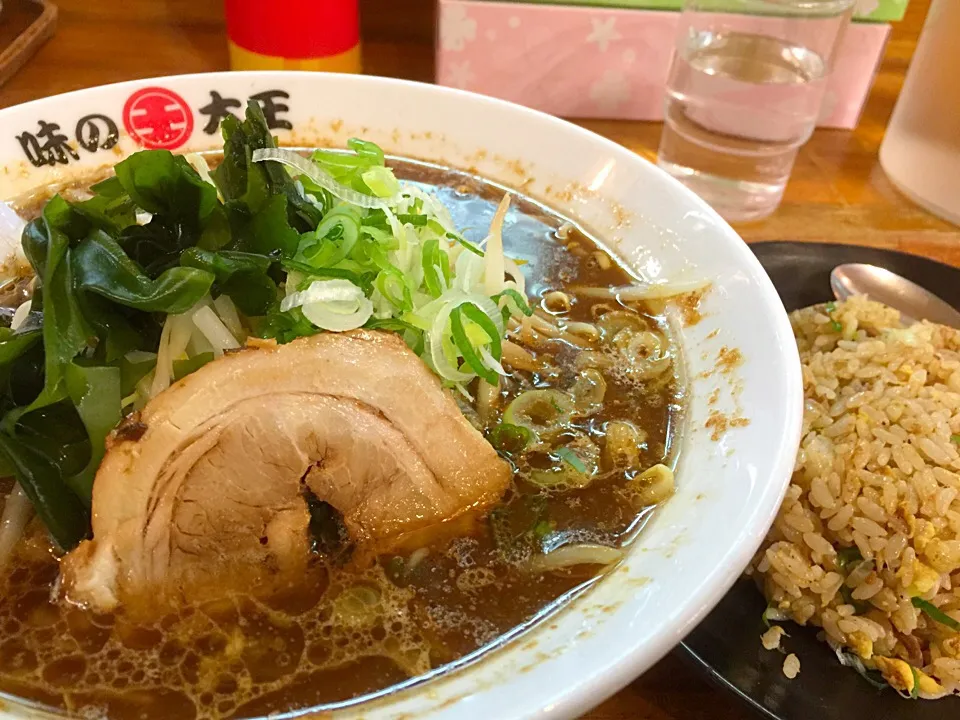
158, 118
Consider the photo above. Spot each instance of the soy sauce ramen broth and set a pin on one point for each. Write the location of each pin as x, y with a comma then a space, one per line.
364, 625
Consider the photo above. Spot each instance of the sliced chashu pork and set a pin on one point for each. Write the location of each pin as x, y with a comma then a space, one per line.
204, 491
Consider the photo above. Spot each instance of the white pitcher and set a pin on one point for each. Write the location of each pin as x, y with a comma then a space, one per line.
921, 150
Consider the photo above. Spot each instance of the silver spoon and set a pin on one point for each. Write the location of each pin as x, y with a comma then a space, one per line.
882, 285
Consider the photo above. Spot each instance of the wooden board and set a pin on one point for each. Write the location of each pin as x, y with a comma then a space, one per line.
24, 26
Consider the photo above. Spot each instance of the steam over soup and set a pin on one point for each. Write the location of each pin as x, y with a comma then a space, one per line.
333, 436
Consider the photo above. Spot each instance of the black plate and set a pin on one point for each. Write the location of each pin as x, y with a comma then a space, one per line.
727, 644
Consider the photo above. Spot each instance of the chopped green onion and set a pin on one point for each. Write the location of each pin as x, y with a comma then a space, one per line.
377, 220
466, 348
570, 458
478, 316
574, 471
325, 169
542, 529
435, 226
519, 300
381, 181
848, 560
363, 280
374, 252
847, 556
337, 162
415, 220
393, 285
333, 239
466, 244
312, 251
366, 149
955, 439
915, 690
445, 267
392, 324
774, 614
935, 613
336, 305
416, 203
831, 308
395, 569
436, 268
544, 412
510, 439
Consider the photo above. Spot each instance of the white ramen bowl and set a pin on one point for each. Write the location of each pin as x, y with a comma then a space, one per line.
742, 427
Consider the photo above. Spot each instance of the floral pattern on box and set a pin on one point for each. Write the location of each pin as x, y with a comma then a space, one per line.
603, 62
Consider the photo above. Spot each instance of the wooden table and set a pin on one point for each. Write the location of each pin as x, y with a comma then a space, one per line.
838, 191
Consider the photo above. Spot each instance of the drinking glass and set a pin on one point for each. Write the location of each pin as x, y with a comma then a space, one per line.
743, 95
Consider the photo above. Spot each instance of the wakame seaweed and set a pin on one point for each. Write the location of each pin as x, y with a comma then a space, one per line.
105, 285
328, 533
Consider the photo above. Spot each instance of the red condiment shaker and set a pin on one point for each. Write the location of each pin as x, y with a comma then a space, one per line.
294, 35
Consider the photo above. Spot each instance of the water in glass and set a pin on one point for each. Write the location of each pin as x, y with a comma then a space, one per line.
739, 106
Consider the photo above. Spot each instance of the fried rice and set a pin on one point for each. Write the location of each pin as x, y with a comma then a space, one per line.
867, 543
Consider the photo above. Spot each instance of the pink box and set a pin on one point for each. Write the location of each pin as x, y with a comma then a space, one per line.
585, 62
